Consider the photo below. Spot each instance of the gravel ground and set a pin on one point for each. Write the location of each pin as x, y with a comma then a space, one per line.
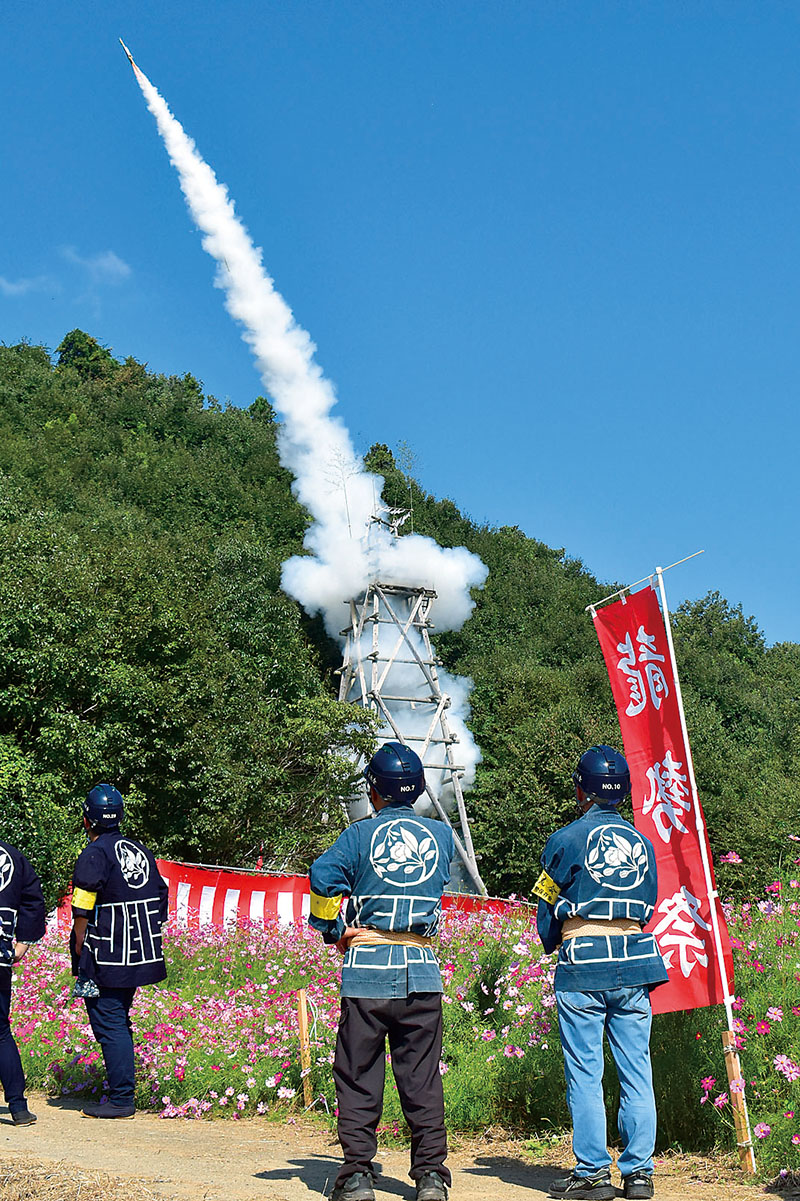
66, 1157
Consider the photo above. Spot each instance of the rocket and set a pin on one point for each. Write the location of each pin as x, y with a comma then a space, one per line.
130, 56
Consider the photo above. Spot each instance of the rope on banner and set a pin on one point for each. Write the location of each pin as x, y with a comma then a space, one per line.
629, 587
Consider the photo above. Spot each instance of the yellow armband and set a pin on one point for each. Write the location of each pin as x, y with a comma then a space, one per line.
325, 908
546, 888
81, 899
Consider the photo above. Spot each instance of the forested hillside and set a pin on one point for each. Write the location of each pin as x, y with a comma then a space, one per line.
144, 639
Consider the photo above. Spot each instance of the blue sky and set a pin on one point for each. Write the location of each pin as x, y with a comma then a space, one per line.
554, 247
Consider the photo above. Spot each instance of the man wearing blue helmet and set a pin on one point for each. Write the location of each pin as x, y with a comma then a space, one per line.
119, 904
393, 870
597, 890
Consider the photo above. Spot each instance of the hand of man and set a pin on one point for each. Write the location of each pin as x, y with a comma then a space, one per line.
20, 951
344, 942
79, 925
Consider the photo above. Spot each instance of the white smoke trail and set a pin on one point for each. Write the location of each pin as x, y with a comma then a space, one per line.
330, 479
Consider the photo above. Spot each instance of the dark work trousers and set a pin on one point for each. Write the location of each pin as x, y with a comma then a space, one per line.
111, 1026
413, 1026
11, 1074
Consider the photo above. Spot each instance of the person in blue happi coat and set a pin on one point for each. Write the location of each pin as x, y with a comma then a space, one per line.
119, 904
597, 890
22, 922
393, 870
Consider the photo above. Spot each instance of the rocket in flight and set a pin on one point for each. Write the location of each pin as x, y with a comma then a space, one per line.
130, 56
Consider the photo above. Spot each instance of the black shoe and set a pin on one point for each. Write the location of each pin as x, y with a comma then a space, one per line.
357, 1187
638, 1186
593, 1188
431, 1187
108, 1111
23, 1117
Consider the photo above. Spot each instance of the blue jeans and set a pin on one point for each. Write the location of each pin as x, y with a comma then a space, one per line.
111, 1026
625, 1016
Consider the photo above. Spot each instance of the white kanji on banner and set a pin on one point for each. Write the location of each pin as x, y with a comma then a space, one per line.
669, 798
677, 930
656, 687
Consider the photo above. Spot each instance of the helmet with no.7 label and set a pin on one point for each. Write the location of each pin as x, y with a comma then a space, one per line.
396, 773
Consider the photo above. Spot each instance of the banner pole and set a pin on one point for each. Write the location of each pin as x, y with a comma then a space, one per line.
733, 1069
305, 1045
629, 587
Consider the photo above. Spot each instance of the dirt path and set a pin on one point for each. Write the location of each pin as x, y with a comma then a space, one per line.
237, 1161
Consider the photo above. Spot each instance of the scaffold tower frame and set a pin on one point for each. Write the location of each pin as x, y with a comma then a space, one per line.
390, 627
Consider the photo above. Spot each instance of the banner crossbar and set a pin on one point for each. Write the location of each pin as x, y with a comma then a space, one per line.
629, 587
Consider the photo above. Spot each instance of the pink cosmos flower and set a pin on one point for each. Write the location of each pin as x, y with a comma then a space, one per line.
512, 1052
775, 1013
721, 1100
737, 1086
796, 1139
731, 857
762, 1130
707, 1083
762, 1027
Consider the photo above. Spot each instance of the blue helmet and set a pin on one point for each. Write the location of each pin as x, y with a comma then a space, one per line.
603, 774
396, 773
104, 807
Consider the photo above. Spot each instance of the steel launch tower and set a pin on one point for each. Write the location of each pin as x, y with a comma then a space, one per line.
390, 667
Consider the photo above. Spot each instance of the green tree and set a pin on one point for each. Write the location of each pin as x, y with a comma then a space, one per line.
85, 355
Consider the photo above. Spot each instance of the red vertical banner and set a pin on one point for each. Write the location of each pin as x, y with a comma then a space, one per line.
633, 640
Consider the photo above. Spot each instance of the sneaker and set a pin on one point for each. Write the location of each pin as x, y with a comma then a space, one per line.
108, 1111
431, 1187
357, 1187
593, 1188
84, 987
638, 1186
23, 1117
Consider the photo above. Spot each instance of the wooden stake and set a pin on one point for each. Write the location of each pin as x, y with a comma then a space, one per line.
744, 1143
305, 1045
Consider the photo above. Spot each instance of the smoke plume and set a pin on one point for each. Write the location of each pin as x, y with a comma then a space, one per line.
345, 550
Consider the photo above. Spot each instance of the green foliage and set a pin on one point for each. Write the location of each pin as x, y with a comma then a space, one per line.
144, 637
81, 352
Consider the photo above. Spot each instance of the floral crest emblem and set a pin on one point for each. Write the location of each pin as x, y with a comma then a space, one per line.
6, 869
404, 852
615, 860
133, 863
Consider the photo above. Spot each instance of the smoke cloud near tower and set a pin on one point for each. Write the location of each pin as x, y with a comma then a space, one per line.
346, 549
